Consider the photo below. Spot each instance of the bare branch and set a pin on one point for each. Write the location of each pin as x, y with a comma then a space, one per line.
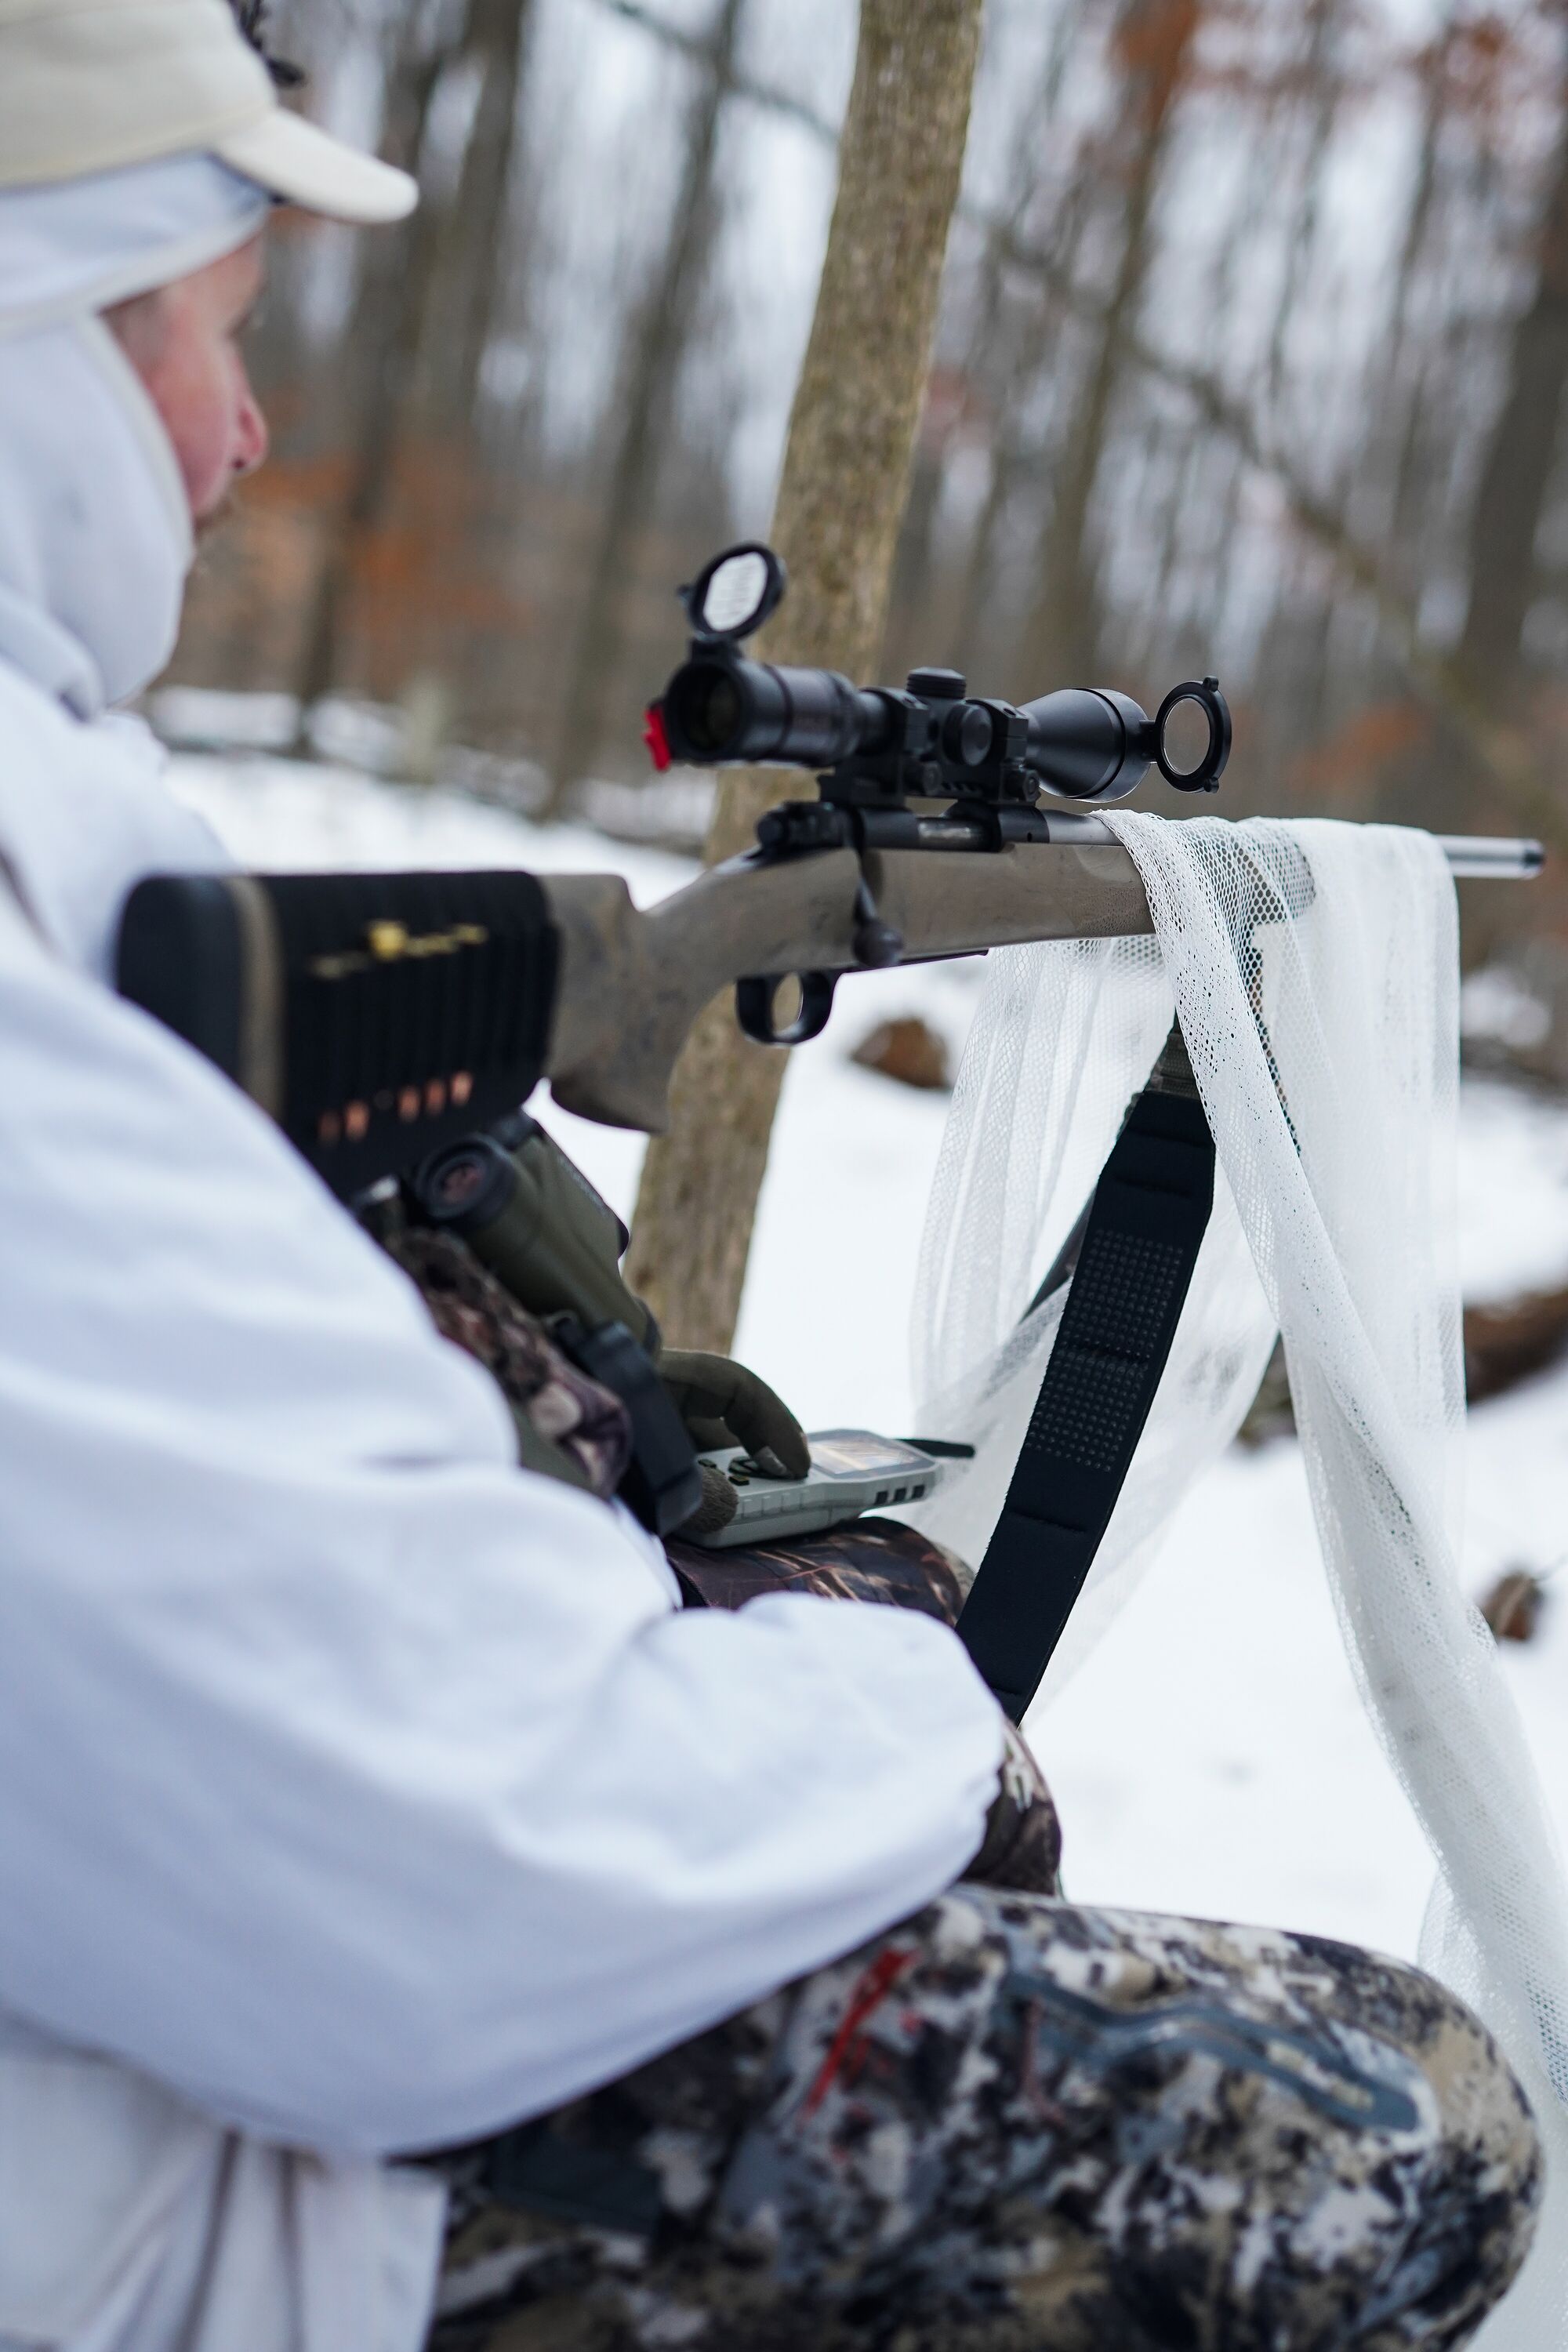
698, 46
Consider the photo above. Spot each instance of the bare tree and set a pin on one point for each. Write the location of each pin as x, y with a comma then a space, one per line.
1321, 28
655, 348
1153, 43
991, 372
1015, 369
844, 480
403, 275
473, 234
1520, 458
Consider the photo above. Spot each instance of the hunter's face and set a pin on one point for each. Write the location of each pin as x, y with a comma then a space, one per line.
185, 343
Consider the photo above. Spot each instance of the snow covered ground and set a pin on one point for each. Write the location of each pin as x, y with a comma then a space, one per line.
1212, 1757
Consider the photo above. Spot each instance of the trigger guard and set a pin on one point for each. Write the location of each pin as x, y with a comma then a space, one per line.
755, 1007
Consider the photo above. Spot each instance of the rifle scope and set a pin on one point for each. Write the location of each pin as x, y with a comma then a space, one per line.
930, 738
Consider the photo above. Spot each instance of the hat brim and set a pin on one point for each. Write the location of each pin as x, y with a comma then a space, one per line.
290, 158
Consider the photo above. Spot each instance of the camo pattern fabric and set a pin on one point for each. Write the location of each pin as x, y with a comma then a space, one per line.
882, 1560
1012, 2124
867, 1559
477, 1313
1022, 1847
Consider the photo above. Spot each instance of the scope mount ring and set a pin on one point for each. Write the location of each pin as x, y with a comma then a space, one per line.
1205, 777
754, 1006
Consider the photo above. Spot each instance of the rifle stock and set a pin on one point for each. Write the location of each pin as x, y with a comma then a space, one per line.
377, 1017
632, 983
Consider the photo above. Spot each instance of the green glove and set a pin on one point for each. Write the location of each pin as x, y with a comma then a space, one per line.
722, 1404
536, 1223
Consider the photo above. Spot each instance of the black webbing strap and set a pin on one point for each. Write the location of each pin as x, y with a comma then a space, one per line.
1139, 1246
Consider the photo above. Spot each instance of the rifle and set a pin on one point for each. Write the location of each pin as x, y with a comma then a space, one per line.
378, 1016
392, 1024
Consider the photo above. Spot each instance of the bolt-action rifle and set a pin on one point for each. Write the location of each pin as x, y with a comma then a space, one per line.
378, 1016
392, 1024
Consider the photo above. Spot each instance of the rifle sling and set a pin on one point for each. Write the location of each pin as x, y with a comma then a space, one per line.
1139, 1246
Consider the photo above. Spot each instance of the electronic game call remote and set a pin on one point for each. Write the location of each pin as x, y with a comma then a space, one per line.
852, 1470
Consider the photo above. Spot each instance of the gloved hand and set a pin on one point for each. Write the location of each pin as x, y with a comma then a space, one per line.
722, 1404
1022, 1848
517, 1202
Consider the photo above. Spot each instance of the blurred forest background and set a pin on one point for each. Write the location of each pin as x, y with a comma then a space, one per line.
1253, 351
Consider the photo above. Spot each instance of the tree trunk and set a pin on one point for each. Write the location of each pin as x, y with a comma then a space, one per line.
994, 375
1035, 347
471, 268
1407, 493
1517, 469
405, 272
846, 475
661, 325
382, 343
1322, 77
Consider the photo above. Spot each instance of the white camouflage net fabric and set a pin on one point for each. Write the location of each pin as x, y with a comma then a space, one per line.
1315, 970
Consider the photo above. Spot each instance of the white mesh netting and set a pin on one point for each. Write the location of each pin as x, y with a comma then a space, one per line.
1315, 970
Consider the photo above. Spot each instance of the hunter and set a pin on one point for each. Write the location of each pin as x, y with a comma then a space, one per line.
416, 1929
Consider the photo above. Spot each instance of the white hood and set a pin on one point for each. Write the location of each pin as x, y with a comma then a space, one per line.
95, 533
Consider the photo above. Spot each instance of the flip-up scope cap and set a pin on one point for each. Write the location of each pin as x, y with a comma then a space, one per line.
92, 86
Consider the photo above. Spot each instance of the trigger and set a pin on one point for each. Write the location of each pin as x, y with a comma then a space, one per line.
875, 942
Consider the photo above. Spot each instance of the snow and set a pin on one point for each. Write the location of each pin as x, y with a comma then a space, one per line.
1212, 1757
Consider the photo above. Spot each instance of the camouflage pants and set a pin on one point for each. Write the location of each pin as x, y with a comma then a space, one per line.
1011, 2124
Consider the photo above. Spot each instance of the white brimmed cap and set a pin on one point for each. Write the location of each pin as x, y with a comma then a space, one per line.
90, 85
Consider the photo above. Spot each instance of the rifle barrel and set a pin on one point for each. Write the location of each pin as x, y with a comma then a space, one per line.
1472, 857
1479, 857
